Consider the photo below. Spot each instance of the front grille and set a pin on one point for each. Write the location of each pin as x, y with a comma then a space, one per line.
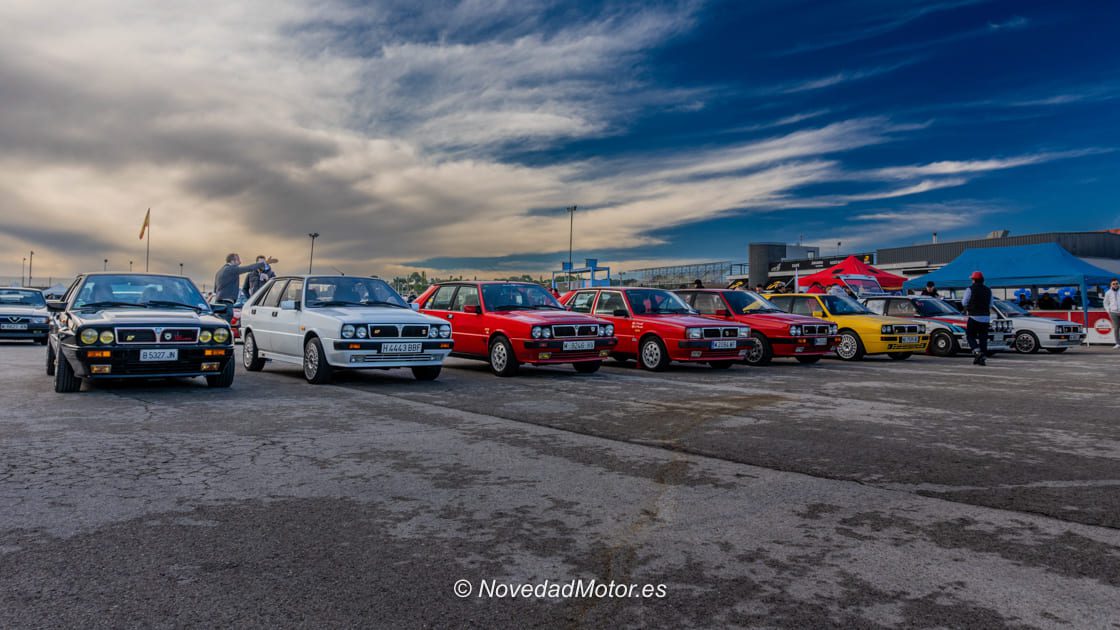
14, 319
1069, 329
414, 331
814, 329
377, 331
582, 330
154, 335
905, 329
713, 333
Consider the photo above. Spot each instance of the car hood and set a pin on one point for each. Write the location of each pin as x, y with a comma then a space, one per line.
1048, 321
22, 311
147, 316
379, 314
777, 319
689, 321
547, 318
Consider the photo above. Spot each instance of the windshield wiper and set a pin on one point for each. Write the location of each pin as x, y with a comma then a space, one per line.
508, 307
552, 306
173, 304
335, 303
382, 303
109, 304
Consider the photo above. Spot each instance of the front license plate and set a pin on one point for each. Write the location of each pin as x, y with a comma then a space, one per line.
401, 348
911, 339
579, 345
159, 355
13, 326
820, 342
723, 344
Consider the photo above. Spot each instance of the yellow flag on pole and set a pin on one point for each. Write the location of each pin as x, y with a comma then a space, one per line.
147, 222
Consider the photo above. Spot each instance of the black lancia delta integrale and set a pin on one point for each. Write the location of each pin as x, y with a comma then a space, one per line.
137, 325
23, 315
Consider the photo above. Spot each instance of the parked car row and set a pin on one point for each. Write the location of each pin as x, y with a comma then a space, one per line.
140, 325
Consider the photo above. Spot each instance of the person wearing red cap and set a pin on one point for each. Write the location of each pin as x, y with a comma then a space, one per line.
977, 304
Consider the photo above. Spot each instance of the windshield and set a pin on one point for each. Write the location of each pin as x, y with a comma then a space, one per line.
18, 297
513, 296
139, 291
656, 301
743, 302
863, 286
843, 305
1010, 309
350, 291
934, 308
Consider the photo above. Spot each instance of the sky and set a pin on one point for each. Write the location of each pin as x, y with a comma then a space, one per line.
450, 136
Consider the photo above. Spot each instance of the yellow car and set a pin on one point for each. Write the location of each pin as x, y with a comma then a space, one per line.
861, 331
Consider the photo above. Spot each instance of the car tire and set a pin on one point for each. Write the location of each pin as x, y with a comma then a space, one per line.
900, 356
426, 372
65, 382
809, 360
223, 379
652, 354
762, 352
850, 347
720, 365
1026, 342
50, 360
315, 367
251, 358
1056, 350
942, 345
587, 367
503, 362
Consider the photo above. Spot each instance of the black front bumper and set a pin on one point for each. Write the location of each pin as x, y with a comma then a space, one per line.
124, 362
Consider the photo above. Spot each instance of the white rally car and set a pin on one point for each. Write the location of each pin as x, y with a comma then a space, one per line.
1032, 333
330, 322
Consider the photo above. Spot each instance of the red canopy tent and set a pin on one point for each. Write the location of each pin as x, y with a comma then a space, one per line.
855, 267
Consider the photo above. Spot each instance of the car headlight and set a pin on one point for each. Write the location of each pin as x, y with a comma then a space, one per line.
347, 331
610, 330
536, 332
744, 332
795, 331
921, 329
433, 332
360, 332
833, 329
221, 335
546, 332
205, 336
887, 329
88, 336
106, 336
445, 331
693, 333
39, 320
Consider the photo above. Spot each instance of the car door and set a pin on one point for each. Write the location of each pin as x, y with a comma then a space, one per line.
607, 304
582, 302
264, 314
286, 332
472, 333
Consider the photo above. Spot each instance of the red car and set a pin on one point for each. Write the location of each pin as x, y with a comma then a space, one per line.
656, 327
779, 334
510, 323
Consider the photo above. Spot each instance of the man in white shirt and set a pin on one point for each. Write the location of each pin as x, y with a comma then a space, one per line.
1112, 307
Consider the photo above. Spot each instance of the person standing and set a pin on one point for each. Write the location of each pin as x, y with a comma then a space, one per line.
1112, 307
931, 290
256, 279
977, 304
226, 285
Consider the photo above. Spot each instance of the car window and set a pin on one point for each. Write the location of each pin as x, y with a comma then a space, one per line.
876, 306
272, 298
805, 306
581, 302
467, 296
782, 302
609, 302
294, 292
708, 303
901, 308
441, 300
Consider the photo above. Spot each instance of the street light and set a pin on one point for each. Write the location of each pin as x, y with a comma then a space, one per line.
30, 263
130, 266
311, 260
571, 231
22, 270
180, 269
105, 265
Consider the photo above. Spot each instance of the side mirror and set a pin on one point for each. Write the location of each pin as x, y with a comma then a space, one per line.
473, 309
56, 306
723, 313
621, 312
414, 306
220, 308
818, 314
289, 305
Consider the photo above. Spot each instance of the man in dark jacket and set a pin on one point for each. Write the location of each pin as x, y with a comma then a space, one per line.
977, 305
931, 290
256, 279
226, 283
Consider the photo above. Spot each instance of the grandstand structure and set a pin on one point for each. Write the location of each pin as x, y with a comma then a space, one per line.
712, 274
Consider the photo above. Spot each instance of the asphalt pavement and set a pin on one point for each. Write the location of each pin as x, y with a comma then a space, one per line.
924, 493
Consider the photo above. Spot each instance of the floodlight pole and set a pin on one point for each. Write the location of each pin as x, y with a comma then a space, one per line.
311, 260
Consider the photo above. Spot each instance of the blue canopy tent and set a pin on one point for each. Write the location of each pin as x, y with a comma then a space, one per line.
1046, 265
